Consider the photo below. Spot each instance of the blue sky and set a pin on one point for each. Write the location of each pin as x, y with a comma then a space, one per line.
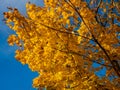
13, 75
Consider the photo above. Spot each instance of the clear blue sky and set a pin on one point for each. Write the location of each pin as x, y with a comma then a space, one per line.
13, 75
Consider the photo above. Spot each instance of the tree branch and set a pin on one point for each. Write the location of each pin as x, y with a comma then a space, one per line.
109, 59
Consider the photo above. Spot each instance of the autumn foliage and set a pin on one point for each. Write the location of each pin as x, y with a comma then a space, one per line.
62, 40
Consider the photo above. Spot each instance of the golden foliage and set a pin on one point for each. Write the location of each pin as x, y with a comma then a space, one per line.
63, 56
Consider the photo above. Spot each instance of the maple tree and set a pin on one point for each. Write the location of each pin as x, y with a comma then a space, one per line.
62, 40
